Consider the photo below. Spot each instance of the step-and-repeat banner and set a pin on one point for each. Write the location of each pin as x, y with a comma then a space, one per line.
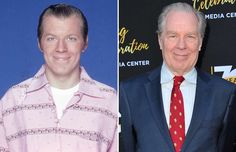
20, 57
138, 44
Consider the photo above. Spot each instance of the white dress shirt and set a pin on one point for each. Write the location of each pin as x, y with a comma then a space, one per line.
188, 89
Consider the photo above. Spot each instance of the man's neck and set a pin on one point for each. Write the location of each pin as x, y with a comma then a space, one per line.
63, 82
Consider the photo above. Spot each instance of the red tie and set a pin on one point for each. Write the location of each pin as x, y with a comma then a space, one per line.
177, 125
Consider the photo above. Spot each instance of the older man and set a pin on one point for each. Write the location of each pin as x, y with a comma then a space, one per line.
176, 107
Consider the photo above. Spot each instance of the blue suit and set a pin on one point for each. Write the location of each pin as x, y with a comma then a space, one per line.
143, 122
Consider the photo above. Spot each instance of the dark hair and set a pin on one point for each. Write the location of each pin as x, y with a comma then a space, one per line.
62, 10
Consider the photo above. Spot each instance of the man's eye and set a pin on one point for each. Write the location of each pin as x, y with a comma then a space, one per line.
72, 38
172, 36
50, 38
192, 37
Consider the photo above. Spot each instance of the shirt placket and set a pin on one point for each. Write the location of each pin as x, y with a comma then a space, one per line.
59, 122
56, 122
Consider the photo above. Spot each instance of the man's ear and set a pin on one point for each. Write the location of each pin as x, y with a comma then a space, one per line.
199, 49
39, 45
160, 40
85, 44
200, 45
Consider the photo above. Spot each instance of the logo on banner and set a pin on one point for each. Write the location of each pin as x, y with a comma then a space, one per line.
228, 72
207, 4
130, 46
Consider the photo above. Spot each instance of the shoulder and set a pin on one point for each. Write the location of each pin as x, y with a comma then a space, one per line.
142, 79
216, 81
16, 93
101, 96
92, 87
105, 89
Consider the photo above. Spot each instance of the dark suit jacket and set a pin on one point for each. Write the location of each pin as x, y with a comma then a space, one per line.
143, 122
229, 135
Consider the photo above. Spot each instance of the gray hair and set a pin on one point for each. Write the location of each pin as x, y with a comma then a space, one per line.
184, 7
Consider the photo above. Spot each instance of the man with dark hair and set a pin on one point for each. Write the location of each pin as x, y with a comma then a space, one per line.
61, 108
177, 107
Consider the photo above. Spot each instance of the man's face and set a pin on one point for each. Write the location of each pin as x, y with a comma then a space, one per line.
62, 43
180, 42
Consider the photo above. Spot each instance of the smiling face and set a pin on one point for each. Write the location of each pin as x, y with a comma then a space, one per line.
62, 43
180, 41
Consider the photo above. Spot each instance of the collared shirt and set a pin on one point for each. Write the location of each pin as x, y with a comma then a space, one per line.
188, 89
61, 97
29, 123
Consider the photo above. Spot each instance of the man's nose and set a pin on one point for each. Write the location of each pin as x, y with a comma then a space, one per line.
61, 46
181, 43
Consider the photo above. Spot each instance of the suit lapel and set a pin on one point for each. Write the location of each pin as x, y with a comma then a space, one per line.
201, 106
153, 91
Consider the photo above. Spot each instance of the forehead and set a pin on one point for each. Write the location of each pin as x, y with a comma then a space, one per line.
50, 21
180, 20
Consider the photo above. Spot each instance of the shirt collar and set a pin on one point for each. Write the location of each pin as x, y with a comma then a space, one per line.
87, 85
38, 81
167, 75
